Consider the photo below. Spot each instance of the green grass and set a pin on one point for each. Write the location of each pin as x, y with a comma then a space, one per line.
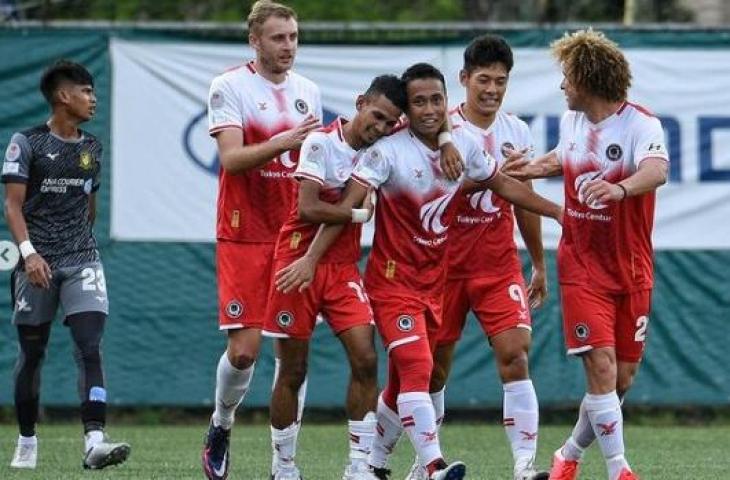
172, 452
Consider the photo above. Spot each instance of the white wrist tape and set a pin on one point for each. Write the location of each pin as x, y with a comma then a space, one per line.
444, 138
26, 249
360, 215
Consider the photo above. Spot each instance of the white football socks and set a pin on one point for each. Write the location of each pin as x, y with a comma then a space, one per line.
419, 421
520, 418
230, 388
361, 433
388, 430
604, 412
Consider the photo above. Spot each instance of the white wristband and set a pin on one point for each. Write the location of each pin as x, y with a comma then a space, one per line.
26, 249
360, 215
444, 138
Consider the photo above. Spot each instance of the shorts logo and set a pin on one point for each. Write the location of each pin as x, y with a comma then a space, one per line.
582, 332
285, 319
85, 161
405, 323
506, 148
614, 152
301, 106
234, 309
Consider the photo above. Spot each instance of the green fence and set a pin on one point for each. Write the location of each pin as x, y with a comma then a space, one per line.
162, 342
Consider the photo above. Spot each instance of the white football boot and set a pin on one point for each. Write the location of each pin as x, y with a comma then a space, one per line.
26, 453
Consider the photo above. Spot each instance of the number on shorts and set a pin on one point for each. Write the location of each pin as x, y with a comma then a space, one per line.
359, 291
93, 280
641, 324
516, 294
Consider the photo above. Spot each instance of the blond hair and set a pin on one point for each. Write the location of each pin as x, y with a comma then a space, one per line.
594, 64
263, 9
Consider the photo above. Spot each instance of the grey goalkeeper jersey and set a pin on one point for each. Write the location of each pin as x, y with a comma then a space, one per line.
60, 175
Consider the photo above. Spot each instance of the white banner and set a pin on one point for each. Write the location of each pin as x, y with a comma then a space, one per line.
164, 165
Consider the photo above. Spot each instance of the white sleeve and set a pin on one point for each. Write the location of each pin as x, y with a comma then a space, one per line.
480, 165
650, 142
312, 158
373, 168
224, 107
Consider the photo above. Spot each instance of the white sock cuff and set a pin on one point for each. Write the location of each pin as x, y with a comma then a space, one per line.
284, 433
519, 386
438, 396
385, 410
413, 397
607, 401
366, 425
27, 440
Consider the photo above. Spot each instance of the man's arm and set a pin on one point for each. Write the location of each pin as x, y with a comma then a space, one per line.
651, 174
39, 273
518, 194
92, 208
531, 231
235, 157
518, 166
313, 210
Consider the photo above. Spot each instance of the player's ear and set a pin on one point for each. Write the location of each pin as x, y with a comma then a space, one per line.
463, 77
360, 102
63, 94
253, 41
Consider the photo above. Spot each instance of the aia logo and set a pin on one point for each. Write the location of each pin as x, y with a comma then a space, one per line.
483, 201
432, 212
608, 428
532, 436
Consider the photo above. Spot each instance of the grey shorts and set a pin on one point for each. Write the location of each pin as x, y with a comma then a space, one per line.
78, 289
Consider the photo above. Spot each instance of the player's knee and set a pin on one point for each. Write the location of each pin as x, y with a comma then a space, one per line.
292, 375
601, 367
513, 365
365, 366
88, 353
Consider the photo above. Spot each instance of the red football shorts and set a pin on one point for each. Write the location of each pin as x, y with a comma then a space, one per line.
336, 291
243, 271
593, 319
500, 304
403, 319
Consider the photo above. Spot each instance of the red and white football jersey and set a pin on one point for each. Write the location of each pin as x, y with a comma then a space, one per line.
253, 205
482, 238
416, 205
327, 159
607, 246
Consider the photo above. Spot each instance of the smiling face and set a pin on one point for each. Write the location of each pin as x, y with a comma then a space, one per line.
426, 106
376, 117
485, 88
275, 42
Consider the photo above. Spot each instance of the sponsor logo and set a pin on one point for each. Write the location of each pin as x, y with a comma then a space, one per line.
614, 152
608, 428
405, 323
506, 148
216, 100
301, 106
85, 161
581, 182
262, 106
60, 185
582, 331
285, 319
483, 201
530, 436
12, 153
51, 156
432, 212
234, 309
11, 168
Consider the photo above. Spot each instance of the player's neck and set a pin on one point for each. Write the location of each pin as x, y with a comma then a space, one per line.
63, 126
273, 77
431, 141
479, 119
599, 110
348, 133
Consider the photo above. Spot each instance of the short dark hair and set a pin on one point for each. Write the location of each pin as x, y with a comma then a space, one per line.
486, 50
422, 71
63, 71
391, 87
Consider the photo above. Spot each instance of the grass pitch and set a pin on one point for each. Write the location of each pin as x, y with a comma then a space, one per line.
173, 452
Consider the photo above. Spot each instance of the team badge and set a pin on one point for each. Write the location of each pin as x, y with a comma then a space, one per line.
234, 309
85, 161
12, 154
506, 148
216, 100
614, 152
301, 106
406, 323
285, 319
582, 332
